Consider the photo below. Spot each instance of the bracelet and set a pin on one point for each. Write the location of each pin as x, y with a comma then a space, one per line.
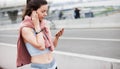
39, 31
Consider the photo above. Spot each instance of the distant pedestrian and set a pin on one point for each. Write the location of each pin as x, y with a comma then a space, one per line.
35, 44
76, 13
60, 14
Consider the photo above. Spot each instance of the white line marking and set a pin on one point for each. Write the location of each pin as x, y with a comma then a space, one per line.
73, 38
75, 54
87, 56
99, 39
9, 45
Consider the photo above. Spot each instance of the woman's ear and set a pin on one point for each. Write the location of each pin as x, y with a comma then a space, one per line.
37, 11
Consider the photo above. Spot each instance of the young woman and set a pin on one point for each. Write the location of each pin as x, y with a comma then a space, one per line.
37, 37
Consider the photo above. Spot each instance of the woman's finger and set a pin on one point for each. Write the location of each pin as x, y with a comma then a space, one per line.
62, 31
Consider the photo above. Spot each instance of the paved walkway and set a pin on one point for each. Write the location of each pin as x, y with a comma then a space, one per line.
65, 60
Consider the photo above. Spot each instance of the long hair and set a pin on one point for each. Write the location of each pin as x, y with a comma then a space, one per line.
33, 5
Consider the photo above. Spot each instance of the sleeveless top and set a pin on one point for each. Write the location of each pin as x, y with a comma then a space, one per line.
34, 51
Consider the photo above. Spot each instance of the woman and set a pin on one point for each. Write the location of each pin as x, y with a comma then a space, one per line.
37, 37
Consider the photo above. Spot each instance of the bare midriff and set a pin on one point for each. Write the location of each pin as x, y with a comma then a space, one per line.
42, 59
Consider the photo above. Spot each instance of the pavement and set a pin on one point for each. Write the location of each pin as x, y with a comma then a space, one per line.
64, 60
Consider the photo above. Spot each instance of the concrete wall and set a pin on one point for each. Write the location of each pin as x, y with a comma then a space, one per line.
112, 21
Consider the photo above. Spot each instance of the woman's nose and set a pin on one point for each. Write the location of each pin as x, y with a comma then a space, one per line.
45, 13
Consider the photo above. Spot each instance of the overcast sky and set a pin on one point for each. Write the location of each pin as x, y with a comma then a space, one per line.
61, 1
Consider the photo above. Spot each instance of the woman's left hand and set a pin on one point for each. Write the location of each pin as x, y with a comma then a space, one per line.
59, 33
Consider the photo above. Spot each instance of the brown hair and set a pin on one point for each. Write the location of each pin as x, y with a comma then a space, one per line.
33, 5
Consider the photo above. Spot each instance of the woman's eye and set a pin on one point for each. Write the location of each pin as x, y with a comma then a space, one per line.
43, 11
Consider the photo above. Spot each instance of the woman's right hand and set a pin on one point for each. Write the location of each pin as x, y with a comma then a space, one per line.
35, 18
39, 37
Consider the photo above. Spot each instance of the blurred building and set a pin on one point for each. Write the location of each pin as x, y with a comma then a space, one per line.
12, 9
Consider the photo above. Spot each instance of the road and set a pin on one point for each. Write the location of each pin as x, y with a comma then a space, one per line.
96, 42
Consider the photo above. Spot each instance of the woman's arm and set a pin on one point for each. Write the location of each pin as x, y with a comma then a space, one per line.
55, 41
56, 38
35, 40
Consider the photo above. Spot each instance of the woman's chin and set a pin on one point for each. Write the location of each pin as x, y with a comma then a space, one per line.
41, 19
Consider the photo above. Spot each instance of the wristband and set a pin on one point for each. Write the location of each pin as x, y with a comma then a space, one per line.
38, 32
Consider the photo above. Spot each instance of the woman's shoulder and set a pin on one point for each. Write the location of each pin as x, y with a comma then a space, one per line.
26, 29
27, 24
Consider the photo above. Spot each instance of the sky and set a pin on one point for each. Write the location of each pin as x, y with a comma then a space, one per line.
6, 3
61, 1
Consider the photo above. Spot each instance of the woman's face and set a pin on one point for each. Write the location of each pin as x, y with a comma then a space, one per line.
42, 11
